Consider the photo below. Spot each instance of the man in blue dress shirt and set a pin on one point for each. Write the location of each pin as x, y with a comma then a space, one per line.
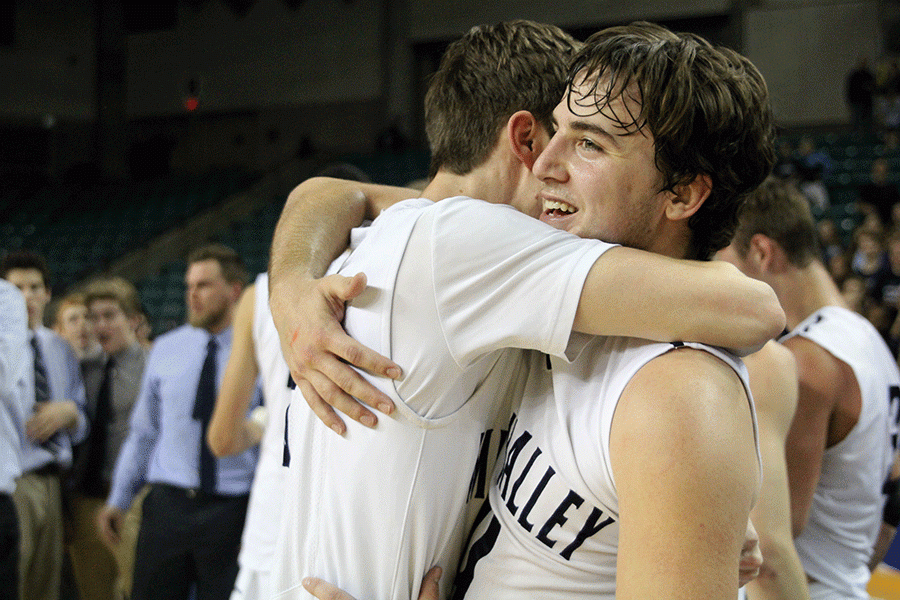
13, 371
48, 428
193, 515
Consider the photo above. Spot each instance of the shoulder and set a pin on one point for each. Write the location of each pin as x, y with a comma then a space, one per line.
177, 338
687, 370
56, 343
686, 396
686, 415
773, 379
136, 355
463, 206
817, 368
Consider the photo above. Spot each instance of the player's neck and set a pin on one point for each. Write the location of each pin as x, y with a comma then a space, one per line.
804, 291
483, 183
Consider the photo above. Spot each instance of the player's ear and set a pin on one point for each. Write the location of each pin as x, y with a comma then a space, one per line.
526, 136
687, 198
766, 254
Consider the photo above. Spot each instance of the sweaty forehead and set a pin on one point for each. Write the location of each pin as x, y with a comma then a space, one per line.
607, 100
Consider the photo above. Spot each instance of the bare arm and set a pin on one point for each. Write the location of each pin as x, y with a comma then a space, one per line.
313, 230
230, 432
819, 375
773, 381
635, 293
695, 471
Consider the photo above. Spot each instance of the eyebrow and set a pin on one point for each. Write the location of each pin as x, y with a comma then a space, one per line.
596, 130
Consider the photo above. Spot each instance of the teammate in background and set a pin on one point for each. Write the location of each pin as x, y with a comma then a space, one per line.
841, 442
669, 200
773, 381
255, 356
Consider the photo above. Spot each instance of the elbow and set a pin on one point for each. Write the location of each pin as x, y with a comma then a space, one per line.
220, 445
771, 314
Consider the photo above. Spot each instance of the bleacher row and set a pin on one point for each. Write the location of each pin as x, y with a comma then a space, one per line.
852, 154
82, 229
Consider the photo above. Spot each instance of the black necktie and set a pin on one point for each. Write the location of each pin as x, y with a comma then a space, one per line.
203, 408
93, 479
42, 391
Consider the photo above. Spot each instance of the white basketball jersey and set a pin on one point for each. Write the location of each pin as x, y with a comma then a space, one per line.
554, 528
451, 285
264, 509
846, 512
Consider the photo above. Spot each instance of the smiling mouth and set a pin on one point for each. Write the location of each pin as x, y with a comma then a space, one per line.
557, 209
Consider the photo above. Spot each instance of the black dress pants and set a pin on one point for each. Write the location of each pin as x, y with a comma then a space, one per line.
187, 539
9, 549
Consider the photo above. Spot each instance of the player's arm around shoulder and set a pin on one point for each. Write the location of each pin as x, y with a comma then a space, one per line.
684, 458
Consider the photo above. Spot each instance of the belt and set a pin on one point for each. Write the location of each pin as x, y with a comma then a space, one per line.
48, 469
197, 493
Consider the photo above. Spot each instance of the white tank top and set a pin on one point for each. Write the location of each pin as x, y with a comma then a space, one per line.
846, 512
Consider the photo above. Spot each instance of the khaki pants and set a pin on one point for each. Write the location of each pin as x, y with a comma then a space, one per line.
93, 564
101, 573
125, 552
39, 508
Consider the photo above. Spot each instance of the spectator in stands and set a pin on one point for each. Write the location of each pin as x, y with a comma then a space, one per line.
839, 267
888, 95
111, 382
193, 515
144, 330
879, 195
70, 320
853, 289
868, 256
785, 162
860, 94
886, 289
58, 421
829, 240
812, 166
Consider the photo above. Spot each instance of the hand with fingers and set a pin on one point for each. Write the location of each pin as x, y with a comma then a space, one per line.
307, 314
325, 591
49, 418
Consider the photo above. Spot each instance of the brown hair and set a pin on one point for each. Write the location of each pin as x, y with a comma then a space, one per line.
117, 289
233, 269
486, 76
779, 210
25, 259
706, 107
73, 299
